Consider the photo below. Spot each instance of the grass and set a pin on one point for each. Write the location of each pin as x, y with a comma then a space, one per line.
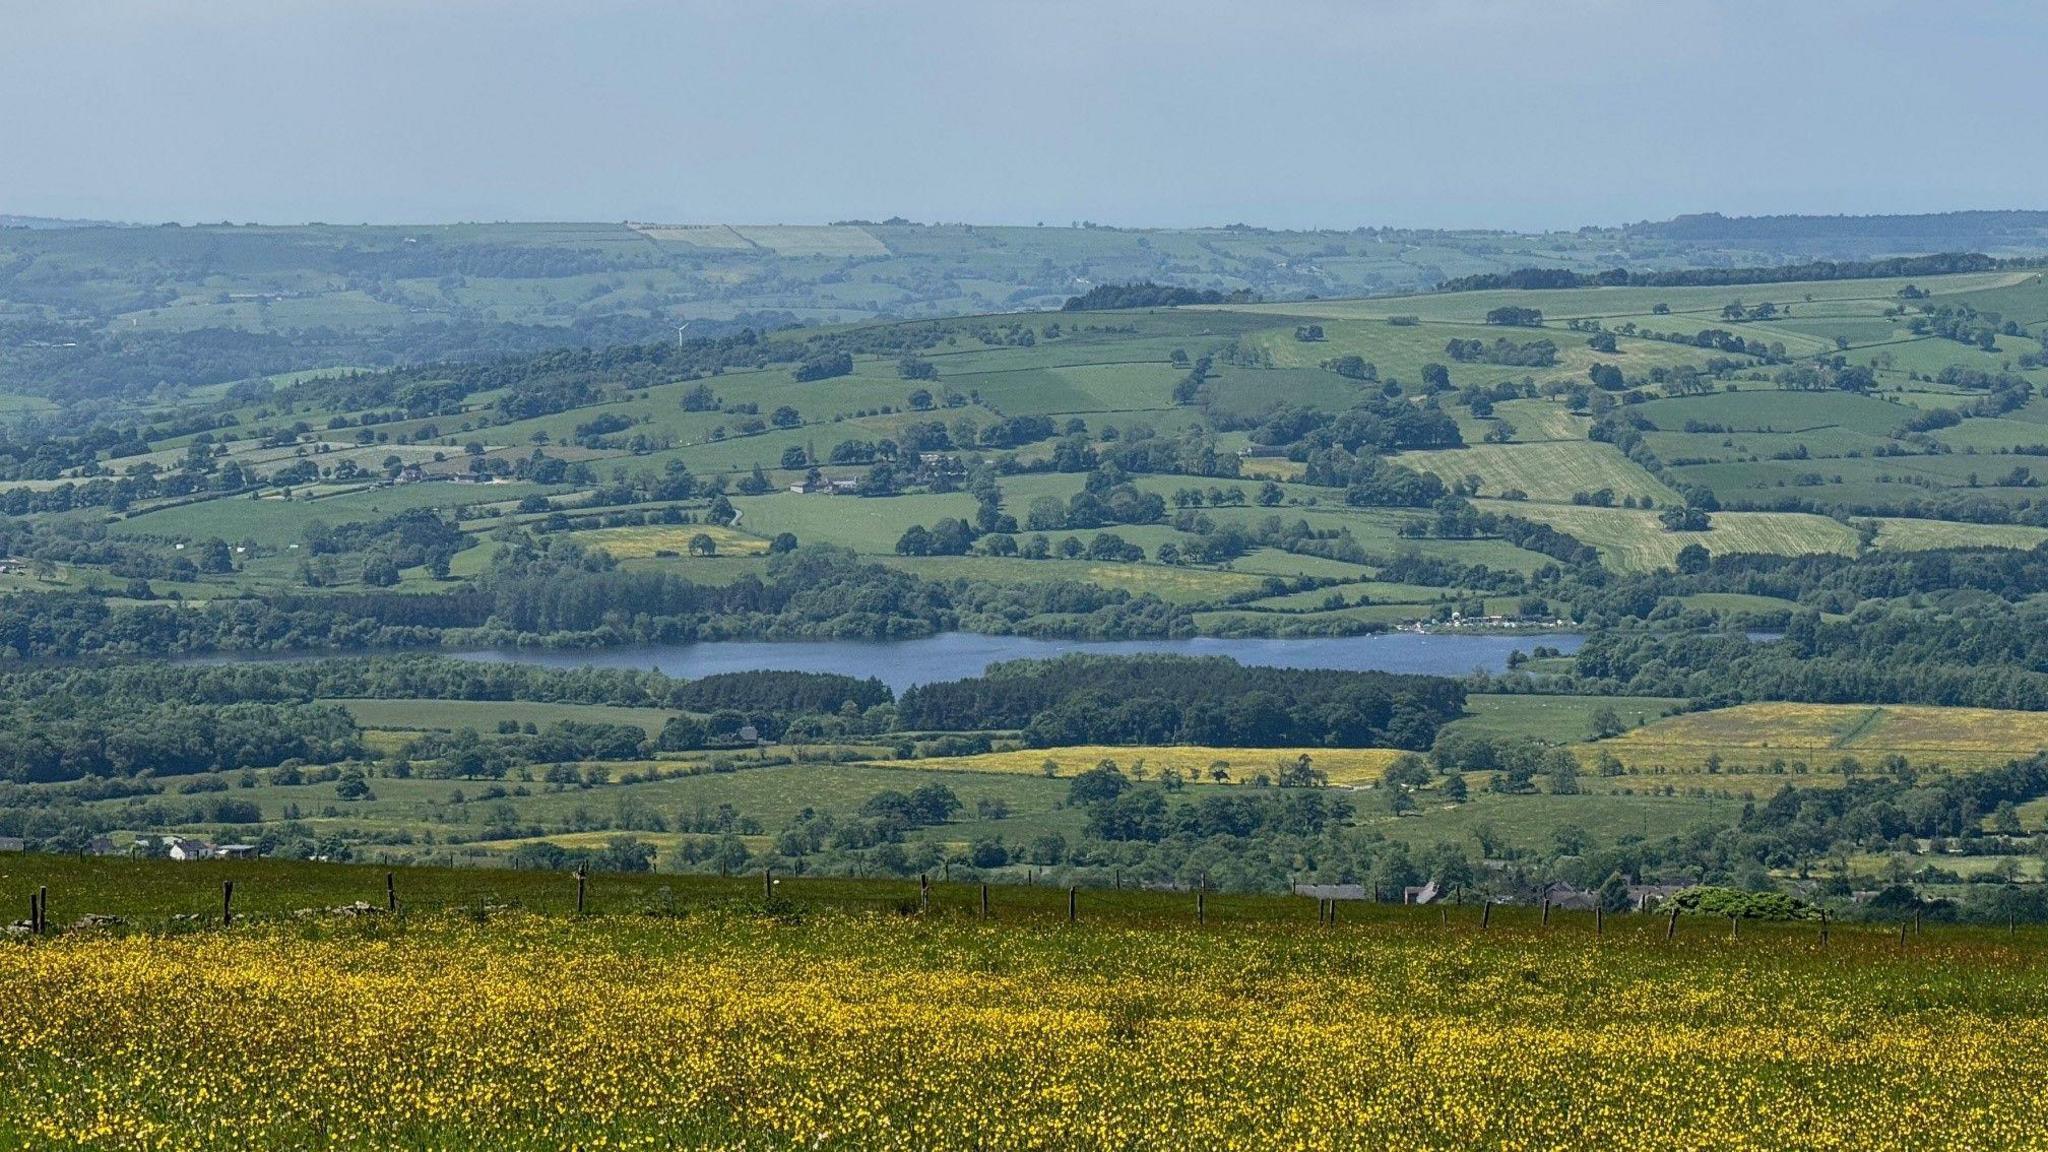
276, 522
1821, 734
1175, 585
637, 543
865, 525
1555, 719
1901, 535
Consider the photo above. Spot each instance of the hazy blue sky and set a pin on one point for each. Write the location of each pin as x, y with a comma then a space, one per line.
1520, 115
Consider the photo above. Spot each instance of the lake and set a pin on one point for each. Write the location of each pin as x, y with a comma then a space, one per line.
959, 655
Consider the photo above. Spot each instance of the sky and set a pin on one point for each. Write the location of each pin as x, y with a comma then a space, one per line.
1284, 113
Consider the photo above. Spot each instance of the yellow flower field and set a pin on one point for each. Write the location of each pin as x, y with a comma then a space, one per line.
1345, 766
870, 1031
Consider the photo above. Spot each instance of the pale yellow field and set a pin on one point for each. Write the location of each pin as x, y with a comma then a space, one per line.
1345, 766
1899, 535
1271, 468
781, 239
696, 235
1634, 541
1753, 735
813, 239
1536, 420
638, 543
1550, 471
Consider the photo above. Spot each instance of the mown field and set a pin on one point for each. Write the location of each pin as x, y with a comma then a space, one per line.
836, 1016
1551, 472
1634, 541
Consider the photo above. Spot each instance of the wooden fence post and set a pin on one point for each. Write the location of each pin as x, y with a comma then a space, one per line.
767, 884
1823, 927
1443, 915
1599, 919
42, 909
1073, 900
1733, 920
1333, 911
984, 901
580, 879
924, 892
1671, 928
1546, 911
1485, 915
36, 900
227, 903
1902, 935
1201, 907
1916, 922
390, 892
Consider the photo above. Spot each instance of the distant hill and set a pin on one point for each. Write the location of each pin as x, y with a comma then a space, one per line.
1981, 231
8, 220
89, 308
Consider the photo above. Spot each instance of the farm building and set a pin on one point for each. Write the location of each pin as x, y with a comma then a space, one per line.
182, 848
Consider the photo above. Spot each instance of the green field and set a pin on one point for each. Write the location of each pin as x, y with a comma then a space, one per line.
1555, 719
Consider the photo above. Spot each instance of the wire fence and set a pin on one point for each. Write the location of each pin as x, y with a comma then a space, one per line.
173, 902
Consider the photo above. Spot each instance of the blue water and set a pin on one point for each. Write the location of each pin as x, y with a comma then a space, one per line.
958, 655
